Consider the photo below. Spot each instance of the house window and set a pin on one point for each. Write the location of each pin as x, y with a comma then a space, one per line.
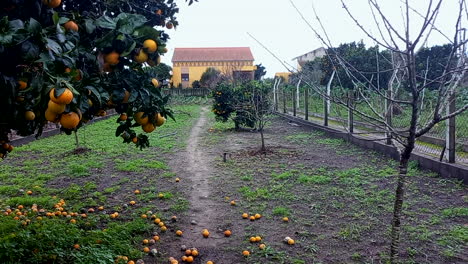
185, 77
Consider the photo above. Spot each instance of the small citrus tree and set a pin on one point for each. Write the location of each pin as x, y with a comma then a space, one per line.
68, 61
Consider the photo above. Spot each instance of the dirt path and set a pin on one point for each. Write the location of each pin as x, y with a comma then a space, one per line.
202, 208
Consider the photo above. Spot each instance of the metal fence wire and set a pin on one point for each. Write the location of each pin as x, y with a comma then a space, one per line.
446, 141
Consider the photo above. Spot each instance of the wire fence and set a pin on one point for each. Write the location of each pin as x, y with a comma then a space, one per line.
446, 141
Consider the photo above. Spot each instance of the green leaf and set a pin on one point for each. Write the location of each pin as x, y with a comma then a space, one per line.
16, 24
53, 46
146, 32
105, 22
29, 51
34, 27
89, 25
63, 20
127, 23
55, 18
129, 50
94, 92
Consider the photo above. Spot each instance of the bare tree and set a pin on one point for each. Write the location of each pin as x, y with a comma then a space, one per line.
406, 86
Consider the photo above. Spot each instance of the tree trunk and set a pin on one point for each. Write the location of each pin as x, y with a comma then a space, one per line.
263, 149
399, 196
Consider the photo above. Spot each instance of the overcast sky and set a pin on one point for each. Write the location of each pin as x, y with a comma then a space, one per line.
277, 25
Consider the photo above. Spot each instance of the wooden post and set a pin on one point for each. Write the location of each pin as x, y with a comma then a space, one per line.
306, 103
350, 111
294, 104
451, 137
284, 101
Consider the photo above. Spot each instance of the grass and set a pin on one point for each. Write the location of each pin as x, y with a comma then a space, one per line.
105, 176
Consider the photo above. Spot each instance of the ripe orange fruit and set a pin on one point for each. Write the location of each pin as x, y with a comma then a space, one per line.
126, 97
246, 253
148, 128
159, 120
205, 233
184, 258
131, 262
258, 238
253, 239
189, 259
51, 116
73, 221
195, 252
112, 58
140, 119
65, 98
285, 219
135, 140
161, 224
227, 233
52, 3
100, 208
123, 116
150, 45
291, 242
179, 232
145, 241
252, 218
55, 108
132, 202
258, 216
29, 115
233, 202
161, 195
69, 120
29, 192
22, 85
137, 192
146, 249
163, 228
177, 179
155, 82
188, 252
156, 238
245, 215
141, 57
144, 216
157, 221
209, 262
262, 246
70, 25
76, 246
169, 25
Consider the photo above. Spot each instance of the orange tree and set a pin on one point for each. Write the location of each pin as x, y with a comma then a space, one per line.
68, 61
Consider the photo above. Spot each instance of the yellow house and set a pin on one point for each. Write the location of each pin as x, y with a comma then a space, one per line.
284, 75
188, 64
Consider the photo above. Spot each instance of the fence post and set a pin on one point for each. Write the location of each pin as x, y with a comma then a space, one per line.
306, 103
388, 115
451, 137
294, 104
276, 98
350, 111
284, 101
325, 111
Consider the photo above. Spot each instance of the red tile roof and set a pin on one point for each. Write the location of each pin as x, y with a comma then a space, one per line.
212, 54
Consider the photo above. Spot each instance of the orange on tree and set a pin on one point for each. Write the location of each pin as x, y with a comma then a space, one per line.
148, 128
123, 116
22, 85
69, 120
150, 45
141, 56
169, 25
160, 120
65, 98
112, 58
51, 116
56, 108
29, 115
71, 26
140, 118
155, 82
52, 3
